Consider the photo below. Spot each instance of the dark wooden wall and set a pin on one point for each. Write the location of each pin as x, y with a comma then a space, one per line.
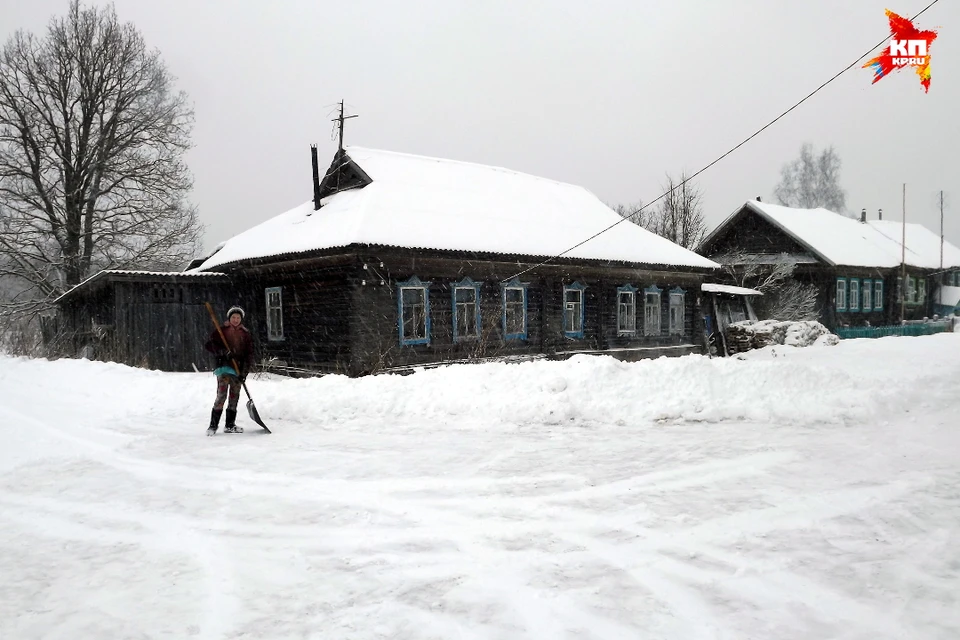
825, 278
317, 301
377, 344
753, 234
167, 332
152, 322
339, 318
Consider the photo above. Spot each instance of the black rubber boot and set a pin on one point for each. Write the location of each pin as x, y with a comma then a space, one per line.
231, 426
214, 421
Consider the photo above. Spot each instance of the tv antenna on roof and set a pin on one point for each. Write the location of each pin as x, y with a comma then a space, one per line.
339, 120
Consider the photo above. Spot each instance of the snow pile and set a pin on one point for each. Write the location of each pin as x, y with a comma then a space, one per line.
747, 335
583, 390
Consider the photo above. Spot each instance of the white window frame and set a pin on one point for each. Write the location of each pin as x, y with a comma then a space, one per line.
651, 314
414, 284
854, 303
463, 309
626, 311
274, 332
515, 285
677, 301
878, 295
573, 310
841, 296
866, 295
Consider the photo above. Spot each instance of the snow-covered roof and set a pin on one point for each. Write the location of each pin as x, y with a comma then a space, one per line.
840, 240
724, 288
429, 203
923, 245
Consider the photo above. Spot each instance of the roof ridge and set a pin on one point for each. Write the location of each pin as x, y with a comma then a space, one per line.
464, 163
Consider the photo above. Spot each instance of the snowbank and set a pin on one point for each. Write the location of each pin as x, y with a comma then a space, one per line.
585, 389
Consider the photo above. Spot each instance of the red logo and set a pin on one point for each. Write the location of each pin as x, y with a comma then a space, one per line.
908, 47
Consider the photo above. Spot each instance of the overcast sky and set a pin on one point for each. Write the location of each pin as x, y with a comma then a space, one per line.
607, 95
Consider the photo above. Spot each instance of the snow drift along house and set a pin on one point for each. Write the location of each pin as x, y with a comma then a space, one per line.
856, 265
403, 260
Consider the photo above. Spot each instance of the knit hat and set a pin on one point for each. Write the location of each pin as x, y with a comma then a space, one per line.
236, 309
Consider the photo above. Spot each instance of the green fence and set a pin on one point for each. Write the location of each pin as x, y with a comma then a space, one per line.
924, 329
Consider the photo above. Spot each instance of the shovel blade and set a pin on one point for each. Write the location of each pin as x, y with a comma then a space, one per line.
252, 410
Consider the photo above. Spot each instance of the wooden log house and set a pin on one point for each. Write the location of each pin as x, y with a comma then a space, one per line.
402, 261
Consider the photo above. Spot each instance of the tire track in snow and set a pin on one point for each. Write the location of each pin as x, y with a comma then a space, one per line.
222, 608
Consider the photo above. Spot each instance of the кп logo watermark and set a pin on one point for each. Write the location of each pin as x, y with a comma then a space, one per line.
908, 47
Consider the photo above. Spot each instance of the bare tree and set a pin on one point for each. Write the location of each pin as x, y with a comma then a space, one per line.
92, 138
812, 181
678, 217
784, 297
637, 213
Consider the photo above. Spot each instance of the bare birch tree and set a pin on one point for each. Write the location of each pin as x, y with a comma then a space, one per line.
784, 297
92, 176
812, 181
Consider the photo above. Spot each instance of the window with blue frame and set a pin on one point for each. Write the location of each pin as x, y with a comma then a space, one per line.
677, 306
841, 299
854, 303
651, 311
515, 310
878, 295
866, 296
413, 306
573, 310
626, 310
466, 310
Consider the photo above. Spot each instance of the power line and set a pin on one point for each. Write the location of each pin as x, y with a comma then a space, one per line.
745, 141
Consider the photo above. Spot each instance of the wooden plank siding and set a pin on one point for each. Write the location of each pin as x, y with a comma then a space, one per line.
155, 322
167, 332
339, 318
376, 320
751, 233
317, 303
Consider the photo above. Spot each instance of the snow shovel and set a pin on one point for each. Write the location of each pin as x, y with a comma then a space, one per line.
251, 408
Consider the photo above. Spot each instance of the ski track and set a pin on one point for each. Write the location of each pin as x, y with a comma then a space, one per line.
543, 550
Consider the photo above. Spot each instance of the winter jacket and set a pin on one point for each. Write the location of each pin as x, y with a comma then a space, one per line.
240, 343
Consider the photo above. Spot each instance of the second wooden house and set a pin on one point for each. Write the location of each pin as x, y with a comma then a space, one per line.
864, 273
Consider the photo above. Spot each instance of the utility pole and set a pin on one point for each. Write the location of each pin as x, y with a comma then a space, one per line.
903, 258
941, 236
339, 120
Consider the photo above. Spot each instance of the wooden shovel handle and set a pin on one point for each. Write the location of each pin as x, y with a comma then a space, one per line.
226, 346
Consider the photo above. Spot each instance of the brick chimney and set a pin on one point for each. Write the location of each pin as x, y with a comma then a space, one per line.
863, 215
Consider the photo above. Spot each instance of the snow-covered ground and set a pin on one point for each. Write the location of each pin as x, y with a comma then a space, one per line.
790, 494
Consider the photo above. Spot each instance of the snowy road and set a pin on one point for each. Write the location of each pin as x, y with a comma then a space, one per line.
586, 499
